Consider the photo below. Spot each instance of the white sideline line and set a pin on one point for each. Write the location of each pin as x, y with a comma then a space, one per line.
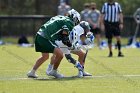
13, 78
102, 76
98, 76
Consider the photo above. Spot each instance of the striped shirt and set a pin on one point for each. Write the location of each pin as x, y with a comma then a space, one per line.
111, 12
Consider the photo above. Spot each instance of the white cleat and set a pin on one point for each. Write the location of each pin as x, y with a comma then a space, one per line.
80, 74
55, 74
30, 74
49, 69
86, 74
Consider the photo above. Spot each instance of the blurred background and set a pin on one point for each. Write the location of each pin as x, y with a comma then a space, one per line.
24, 17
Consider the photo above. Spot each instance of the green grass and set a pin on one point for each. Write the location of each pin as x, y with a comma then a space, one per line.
110, 75
31, 40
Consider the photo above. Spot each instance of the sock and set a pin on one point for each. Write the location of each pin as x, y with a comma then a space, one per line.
110, 52
119, 45
76, 63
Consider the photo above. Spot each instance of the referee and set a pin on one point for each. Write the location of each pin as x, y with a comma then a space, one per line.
112, 23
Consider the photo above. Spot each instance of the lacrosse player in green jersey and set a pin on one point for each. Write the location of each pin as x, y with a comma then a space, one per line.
57, 28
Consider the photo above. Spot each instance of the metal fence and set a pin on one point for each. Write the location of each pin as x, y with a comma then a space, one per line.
29, 25
21, 24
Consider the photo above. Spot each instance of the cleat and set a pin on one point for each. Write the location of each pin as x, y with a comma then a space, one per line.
110, 54
86, 74
55, 74
120, 54
30, 74
80, 74
49, 69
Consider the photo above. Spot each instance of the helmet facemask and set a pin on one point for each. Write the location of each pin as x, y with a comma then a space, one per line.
75, 16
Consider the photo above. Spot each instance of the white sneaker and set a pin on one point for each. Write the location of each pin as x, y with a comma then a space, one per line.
86, 74
49, 69
80, 74
31, 74
55, 74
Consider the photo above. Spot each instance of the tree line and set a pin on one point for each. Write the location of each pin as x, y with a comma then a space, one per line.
49, 7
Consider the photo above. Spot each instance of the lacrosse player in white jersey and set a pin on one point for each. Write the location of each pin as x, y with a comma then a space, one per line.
81, 38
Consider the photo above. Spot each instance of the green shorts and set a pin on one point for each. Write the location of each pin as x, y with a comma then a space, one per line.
44, 45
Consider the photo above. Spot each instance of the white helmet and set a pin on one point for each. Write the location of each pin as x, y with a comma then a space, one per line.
75, 16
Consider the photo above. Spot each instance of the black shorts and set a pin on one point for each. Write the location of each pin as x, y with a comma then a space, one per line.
112, 29
95, 31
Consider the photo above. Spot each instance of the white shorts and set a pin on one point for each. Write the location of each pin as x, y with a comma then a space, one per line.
63, 47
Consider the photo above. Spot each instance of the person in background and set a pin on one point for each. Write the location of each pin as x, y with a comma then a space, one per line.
84, 13
63, 9
112, 23
23, 42
94, 21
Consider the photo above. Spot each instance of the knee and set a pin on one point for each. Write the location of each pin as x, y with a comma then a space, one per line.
81, 54
44, 58
58, 53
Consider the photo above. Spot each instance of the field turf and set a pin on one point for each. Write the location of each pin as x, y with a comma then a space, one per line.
110, 75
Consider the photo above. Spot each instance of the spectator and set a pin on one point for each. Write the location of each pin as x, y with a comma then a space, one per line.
63, 8
112, 21
84, 13
94, 21
137, 16
23, 42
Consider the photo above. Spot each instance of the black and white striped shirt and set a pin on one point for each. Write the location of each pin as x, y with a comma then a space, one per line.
111, 12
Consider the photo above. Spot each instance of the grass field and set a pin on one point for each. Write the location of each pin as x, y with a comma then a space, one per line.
110, 75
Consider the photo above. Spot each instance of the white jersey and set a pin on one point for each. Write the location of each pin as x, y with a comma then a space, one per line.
74, 37
63, 47
75, 34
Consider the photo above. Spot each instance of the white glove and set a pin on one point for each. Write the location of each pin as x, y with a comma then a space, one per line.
90, 37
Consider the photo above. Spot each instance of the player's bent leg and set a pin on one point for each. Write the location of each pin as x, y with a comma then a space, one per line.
70, 59
50, 66
58, 57
41, 60
81, 55
73, 61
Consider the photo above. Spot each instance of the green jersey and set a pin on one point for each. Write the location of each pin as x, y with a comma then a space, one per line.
52, 29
